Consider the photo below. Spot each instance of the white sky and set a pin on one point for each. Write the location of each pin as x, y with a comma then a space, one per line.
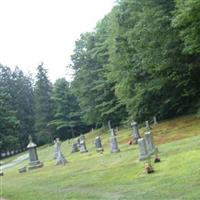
32, 31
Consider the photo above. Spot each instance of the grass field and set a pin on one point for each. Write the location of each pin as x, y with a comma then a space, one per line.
117, 176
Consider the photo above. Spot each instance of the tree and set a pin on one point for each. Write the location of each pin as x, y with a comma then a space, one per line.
23, 103
66, 115
92, 88
43, 106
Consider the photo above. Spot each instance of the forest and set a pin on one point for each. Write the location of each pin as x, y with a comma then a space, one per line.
141, 60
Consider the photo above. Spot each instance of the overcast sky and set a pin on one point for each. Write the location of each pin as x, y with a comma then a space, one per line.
35, 31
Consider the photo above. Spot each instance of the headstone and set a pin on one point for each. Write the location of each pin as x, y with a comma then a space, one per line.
143, 154
135, 132
22, 170
1, 172
82, 137
33, 157
78, 143
157, 158
112, 132
147, 125
55, 149
60, 160
3, 155
114, 144
155, 122
83, 148
75, 147
109, 125
149, 142
98, 144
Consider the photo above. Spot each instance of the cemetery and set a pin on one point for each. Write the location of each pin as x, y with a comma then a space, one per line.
76, 170
100, 100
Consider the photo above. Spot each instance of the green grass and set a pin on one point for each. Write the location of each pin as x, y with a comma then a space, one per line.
116, 176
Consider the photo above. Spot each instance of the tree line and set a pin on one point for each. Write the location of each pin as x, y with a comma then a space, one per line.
142, 59
37, 108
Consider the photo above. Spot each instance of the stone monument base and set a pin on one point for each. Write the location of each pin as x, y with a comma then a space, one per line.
115, 150
35, 166
22, 170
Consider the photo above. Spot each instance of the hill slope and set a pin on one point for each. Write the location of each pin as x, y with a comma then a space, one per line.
116, 176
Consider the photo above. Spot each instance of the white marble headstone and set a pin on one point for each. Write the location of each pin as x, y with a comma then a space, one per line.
143, 154
149, 142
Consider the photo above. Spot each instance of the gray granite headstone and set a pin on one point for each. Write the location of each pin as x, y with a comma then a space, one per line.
78, 143
55, 149
98, 144
83, 148
60, 160
75, 147
22, 170
149, 142
114, 144
112, 132
147, 125
143, 155
135, 131
1, 173
33, 157
82, 137
109, 125
155, 122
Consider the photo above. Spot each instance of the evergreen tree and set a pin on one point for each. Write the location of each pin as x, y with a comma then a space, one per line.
43, 106
66, 115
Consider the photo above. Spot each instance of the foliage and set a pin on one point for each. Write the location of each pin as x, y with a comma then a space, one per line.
66, 115
43, 106
95, 93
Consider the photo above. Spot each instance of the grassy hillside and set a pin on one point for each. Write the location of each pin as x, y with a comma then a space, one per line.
116, 176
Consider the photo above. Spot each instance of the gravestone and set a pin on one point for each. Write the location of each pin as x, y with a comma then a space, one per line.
75, 147
98, 144
155, 122
112, 132
60, 160
149, 142
147, 125
83, 148
3, 155
55, 149
109, 125
82, 137
78, 143
8, 153
135, 132
22, 170
114, 144
1, 172
33, 156
143, 154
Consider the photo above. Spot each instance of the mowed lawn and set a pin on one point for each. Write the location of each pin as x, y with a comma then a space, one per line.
117, 176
